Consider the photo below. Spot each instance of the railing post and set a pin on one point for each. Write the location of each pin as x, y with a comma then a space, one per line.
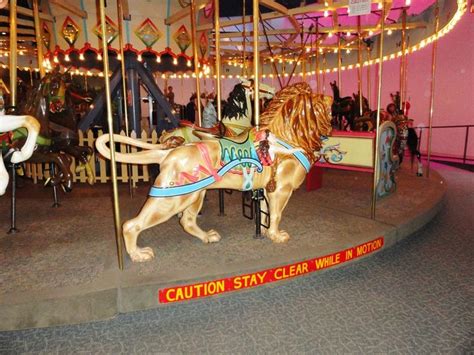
465, 145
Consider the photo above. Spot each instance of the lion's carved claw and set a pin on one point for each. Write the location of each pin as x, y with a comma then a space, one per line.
278, 237
212, 237
140, 255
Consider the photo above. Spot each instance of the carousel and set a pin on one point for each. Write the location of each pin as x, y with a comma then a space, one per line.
153, 122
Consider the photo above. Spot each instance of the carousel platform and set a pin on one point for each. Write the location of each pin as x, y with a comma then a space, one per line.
61, 268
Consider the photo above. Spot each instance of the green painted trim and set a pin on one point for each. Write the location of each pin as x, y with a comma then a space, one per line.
23, 133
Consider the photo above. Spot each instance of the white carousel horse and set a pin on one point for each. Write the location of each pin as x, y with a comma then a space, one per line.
9, 123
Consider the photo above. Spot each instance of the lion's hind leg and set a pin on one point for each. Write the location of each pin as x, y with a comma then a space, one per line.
189, 220
154, 212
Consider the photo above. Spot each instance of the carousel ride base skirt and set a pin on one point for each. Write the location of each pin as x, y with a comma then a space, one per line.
62, 266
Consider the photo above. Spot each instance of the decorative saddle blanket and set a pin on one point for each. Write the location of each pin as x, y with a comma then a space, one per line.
243, 155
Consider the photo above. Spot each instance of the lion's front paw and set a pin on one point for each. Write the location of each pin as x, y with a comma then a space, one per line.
212, 237
140, 255
279, 237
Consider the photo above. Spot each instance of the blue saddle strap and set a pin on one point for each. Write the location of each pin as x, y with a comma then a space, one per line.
298, 155
158, 191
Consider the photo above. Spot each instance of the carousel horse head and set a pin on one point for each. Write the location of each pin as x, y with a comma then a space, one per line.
265, 91
276, 158
10, 123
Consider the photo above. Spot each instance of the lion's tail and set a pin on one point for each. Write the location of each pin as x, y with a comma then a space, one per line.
152, 153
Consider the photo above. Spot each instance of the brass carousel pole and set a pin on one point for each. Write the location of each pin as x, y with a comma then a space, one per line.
244, 37
118, 234
368, 74
433, 72
124, 85
13, 54
122, 62
405, 81
196, 60
256, 73
339, 63
359, 60
379, 100
318, 84
217, 37
403, 59
303, 55
324, 73
39, 40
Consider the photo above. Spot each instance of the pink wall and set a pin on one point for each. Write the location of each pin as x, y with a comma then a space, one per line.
454, 87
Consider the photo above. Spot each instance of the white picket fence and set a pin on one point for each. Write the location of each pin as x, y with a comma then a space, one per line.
100, 166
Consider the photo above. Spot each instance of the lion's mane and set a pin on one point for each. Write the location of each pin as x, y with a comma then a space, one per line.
299, 117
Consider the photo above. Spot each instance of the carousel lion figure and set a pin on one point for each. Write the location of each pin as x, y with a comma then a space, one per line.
275, 158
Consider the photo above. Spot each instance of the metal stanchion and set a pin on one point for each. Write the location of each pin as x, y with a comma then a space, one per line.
118, 229
124, 86
196, 60
39, 40
379, 99
403, 60
217, 38
55, 188
433, 72
359, 70
13, 228
13, 54
256, 107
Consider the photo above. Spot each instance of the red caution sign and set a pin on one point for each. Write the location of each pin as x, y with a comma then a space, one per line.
215, 287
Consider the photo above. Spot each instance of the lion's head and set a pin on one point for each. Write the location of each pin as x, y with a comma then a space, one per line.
299, 117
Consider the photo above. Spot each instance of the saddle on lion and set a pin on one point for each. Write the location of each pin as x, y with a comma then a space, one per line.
275, 158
